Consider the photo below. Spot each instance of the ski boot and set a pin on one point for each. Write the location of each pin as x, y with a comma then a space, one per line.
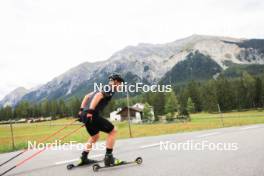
109, 160
85, 161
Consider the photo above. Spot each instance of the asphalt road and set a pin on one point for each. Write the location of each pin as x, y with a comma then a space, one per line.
235, 151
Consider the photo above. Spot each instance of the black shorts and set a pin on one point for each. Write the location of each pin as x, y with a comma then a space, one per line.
99, 124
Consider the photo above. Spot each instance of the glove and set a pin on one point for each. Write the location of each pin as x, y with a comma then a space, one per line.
87, 116
79, 116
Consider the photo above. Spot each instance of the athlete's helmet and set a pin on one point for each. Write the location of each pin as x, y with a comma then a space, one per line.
115, 76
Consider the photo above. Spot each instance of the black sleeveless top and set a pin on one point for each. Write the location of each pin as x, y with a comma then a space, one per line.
102, 103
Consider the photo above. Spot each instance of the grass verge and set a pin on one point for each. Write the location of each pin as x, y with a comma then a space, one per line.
200, 121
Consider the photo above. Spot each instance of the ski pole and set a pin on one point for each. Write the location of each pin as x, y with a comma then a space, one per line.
43, 140
38, 152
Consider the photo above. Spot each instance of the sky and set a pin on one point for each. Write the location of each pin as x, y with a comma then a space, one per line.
41, 39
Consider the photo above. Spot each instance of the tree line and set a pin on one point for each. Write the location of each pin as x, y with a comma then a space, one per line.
52, 108
244, 92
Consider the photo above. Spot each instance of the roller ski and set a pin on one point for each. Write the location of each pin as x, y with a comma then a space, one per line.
110, 161
84, 161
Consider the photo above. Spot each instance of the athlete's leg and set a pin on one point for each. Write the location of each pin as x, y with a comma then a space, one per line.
94, 133
91, 141
107, 127
110, 140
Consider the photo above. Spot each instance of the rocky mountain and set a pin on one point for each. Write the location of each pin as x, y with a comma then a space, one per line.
195, 57
65, 84
196, 66
13, 97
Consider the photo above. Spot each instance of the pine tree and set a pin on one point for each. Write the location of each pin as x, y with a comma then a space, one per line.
225, 95
6, 113
158, 104
62, 110
190, 105
171, 102
147, 112
53, 108
171, 105
209, 95
258, 101
195, 94
22, 110
45, 108
249, 85
74, 106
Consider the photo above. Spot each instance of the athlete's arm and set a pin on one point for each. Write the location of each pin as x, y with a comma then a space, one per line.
85, 100
98, 96
96, 99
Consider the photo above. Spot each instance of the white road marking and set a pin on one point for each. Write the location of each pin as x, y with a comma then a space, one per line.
208, 134
66, 161
73, 160
249, 127
150, 145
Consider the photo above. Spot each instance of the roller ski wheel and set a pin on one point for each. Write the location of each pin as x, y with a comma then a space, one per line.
90, 163
138, 161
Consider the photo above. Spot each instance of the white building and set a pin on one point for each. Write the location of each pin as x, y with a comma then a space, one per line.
135, 111
114, 116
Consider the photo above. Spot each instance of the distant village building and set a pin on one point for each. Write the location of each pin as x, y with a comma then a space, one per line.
135, 111
41, 119
114, 116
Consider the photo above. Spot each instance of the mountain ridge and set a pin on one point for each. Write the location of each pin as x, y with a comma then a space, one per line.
149, 63
14, 97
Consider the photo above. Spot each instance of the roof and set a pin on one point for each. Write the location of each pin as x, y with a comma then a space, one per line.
131, 108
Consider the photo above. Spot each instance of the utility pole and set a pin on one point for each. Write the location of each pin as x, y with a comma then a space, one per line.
221, 115
128, 116
12, 134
